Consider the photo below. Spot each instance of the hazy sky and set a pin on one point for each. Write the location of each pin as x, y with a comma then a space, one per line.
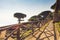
28, 7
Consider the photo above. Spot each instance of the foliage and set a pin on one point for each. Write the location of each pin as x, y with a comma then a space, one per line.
56, 4
44, 14
53, 6
33, 18
41, 16
19, 15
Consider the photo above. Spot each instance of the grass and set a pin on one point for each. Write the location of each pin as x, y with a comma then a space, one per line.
57, 25
30, 31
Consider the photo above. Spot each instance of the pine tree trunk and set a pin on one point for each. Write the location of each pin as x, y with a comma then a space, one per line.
56, 19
